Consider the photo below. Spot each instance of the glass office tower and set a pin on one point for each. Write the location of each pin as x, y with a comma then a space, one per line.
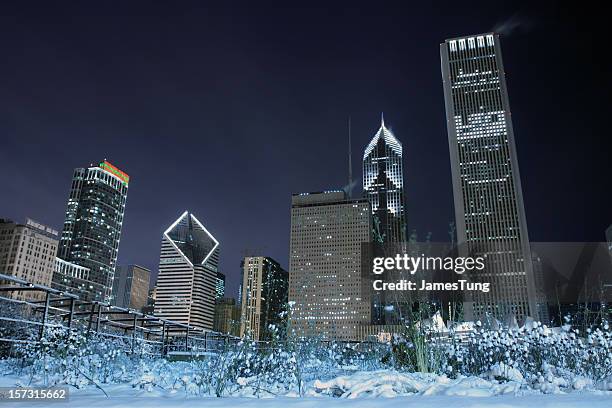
383, 184
220, 286
489, 210
264, 303
131, 287
92, 227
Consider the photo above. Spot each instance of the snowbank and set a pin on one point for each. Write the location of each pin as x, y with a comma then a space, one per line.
373, 389
388, 384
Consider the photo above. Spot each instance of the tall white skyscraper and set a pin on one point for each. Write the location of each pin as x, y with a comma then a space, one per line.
186, 284
383, 184
325, 264
489, 210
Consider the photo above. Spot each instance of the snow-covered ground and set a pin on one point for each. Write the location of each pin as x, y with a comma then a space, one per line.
381, 388
531, 401
502, 366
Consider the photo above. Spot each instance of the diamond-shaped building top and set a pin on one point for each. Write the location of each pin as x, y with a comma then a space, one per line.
192, 239
188, 271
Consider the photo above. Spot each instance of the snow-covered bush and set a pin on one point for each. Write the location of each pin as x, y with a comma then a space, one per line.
533, 351
13, 325
543, 358
77, 358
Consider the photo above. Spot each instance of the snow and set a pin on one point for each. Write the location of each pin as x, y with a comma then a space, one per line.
502, 370
173, 384
435, 324
492, 365
362, 389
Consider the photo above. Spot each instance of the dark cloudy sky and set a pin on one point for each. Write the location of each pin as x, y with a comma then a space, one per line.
226, 109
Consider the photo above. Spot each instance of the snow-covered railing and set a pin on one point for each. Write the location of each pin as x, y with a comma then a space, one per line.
63, 309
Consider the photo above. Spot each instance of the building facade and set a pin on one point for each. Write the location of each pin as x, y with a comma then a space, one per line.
131, 287
27, 251
489, 210
151, 297
92, 227
325, 264
220, 286
383, 184
186, 283
264, 296
227, 317
73, 278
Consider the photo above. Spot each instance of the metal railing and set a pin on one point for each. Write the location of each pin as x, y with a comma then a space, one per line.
66, 310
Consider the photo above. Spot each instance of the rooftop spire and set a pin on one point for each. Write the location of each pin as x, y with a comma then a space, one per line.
382, 119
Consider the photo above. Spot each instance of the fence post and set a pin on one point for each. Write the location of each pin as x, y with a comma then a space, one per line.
163, 339
71, 316
99, 317
93, 309
134, 331
45, 314
187, 339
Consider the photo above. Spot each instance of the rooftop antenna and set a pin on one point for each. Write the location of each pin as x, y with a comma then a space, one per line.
350, 161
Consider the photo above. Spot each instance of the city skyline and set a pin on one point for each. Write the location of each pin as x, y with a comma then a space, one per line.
146, 137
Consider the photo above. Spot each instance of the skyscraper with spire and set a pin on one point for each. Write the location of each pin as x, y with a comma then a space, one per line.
383, 184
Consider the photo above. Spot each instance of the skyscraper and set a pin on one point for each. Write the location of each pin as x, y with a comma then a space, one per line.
186, 284
383, 184
227, 317
325, 264
73, 278
489, 211
220, 286
264, 296
92, 227
131, 287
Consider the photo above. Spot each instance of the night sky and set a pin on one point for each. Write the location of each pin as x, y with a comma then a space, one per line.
226, 109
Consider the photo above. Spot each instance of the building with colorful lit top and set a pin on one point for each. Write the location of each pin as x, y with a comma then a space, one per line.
92, 229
